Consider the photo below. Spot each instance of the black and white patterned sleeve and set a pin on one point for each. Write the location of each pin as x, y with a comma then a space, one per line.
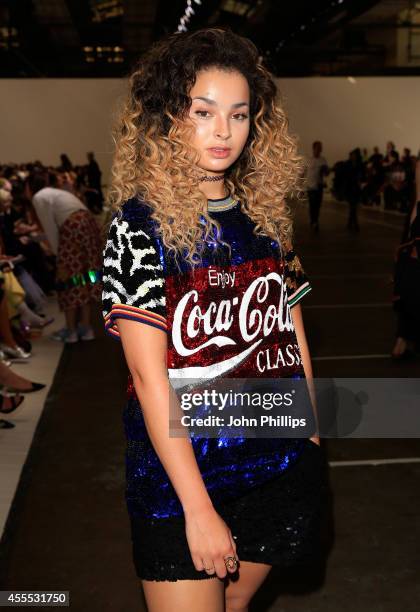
297, 283
133, 277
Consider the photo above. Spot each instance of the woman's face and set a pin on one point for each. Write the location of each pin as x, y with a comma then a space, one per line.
220, 112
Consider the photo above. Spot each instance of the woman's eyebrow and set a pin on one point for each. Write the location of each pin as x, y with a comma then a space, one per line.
213, 102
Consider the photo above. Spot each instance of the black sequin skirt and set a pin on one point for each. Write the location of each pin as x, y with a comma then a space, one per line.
276, 523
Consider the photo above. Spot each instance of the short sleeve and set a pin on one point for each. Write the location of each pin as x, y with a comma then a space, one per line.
132, 276
297, 283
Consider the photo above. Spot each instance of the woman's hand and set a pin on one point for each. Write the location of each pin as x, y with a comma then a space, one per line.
210, 541
316, 440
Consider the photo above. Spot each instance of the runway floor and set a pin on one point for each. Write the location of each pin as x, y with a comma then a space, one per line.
67, 528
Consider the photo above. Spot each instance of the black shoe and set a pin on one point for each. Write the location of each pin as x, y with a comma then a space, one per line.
15, 404
6, 424
34, 387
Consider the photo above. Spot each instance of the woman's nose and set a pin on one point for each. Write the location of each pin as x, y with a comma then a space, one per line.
222, 128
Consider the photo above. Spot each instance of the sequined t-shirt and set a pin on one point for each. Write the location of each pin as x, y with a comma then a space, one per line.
213, 316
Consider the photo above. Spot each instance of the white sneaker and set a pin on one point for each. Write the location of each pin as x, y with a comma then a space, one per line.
86, 333
15, 353
3, 359
60, 334
71, 338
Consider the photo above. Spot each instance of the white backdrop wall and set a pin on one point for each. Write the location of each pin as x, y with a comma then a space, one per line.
41, 118
345, 113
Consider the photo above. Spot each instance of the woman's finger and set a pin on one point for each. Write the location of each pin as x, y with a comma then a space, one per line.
220, 567
198, 563
208, 566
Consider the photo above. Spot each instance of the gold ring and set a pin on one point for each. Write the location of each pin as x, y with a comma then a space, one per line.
231, 562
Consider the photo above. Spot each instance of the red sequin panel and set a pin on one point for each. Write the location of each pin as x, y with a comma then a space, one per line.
232, 320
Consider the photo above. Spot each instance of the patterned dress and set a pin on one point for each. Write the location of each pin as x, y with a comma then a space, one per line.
79, 261
228, 317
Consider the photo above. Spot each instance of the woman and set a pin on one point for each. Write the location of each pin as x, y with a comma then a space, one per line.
74, 238
203, 156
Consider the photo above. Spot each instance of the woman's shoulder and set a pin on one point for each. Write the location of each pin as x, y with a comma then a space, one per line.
134, 210
134, 215
131, 236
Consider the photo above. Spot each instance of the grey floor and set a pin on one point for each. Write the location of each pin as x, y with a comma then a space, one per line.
67, 528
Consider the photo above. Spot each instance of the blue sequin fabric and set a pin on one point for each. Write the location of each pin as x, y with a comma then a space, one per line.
278, 523
228, 316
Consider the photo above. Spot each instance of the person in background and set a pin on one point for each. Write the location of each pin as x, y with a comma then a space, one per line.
12, 297
74, 238
66, 164
406, 293
375, 177
376, 157
68, 182
94, 174
11, 265
353, 179
317, 169
21, 237
9, 400
390, 155
408, 162
396, 189
17, 308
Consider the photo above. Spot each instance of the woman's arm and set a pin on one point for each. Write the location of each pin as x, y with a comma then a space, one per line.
296, 312
209, 538
145, 351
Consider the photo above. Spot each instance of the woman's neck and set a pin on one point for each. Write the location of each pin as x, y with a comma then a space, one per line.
214, 191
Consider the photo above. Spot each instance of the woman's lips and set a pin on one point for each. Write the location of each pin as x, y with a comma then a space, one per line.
219, 152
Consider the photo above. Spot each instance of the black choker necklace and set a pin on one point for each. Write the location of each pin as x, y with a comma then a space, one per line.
212, 178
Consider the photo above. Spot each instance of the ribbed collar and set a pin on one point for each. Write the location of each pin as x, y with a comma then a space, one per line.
221, 204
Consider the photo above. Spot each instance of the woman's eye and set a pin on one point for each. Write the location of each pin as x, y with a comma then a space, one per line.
205, 114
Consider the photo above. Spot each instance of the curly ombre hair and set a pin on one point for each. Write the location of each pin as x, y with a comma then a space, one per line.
155, 161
